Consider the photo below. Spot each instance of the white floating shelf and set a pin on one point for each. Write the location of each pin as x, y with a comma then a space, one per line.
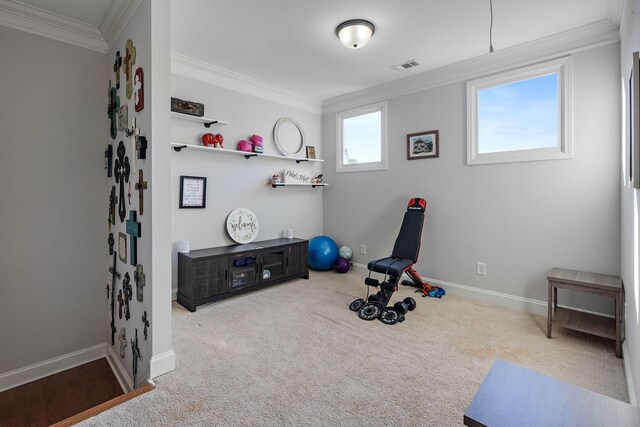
284, 184
178, 146
204, 120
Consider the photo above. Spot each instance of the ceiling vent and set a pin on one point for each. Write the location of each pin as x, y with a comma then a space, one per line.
406, 65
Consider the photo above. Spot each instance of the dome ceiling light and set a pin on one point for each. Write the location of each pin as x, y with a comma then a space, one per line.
355, 33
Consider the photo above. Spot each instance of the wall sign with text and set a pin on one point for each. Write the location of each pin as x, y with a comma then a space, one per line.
193, 192
242, 225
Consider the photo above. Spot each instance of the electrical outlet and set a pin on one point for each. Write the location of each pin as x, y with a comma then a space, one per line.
481, 268
363, 249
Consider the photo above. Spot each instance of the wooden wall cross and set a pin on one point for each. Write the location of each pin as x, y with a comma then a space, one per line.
141, 186
139, 277
122, 337
129, 60
127, 293
121, 171
116, 68
120, 303
134, 229
113, 199
138, 85
145, 322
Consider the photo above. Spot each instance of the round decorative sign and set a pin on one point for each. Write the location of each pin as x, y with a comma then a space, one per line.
242, 225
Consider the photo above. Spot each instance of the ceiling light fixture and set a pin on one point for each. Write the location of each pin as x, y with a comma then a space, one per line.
355, 33
491, 27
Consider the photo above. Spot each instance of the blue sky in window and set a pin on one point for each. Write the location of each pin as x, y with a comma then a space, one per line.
361, 138
519, 116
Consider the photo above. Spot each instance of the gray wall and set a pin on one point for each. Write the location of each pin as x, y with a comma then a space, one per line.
630, 231
234, 181
52, 227
521, 219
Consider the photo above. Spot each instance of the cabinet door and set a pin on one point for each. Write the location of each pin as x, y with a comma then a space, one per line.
297, 259
243, 270
273, 260
209, 277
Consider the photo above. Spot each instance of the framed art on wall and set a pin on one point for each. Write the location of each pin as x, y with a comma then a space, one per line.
122, 247
193, 192
423, 145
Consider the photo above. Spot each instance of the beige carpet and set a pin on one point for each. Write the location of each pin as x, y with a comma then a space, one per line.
295, 355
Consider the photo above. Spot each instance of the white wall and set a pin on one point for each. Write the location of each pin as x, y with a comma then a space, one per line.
630, 231
52, 226
139, 31
521, 219
233, 181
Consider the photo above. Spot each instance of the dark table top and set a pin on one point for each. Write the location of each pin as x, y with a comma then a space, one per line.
233, 249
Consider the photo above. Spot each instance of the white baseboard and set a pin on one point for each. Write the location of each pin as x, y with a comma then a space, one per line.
34, 372
162, 363
174, 294
627, 373
118, 369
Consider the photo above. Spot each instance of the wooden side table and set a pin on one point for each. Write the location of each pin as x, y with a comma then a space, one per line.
593, 283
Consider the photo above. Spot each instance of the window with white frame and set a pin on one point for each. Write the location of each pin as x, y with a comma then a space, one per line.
362, 139
520, 115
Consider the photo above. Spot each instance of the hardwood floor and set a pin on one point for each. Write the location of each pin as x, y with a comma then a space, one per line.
60, 396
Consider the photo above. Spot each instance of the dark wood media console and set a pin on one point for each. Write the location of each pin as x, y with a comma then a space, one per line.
208, 275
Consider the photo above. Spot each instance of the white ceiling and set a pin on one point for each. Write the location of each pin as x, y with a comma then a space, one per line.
291, 43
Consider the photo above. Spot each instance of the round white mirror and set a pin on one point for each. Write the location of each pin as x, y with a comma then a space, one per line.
288, 136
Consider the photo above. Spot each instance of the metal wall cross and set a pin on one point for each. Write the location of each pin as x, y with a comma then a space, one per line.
139, 277
122, 337
134, 229
113, 199
128, 294
141, 186
121, 171
145, 322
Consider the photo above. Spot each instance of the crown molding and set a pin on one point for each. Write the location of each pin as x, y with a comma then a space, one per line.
198, 70
587, 37
19, 16
116, 18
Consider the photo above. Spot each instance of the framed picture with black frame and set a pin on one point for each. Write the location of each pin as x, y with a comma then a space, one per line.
193, 192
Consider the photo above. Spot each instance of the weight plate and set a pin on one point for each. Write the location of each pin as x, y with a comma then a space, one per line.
356, 304
389, 316
369, 311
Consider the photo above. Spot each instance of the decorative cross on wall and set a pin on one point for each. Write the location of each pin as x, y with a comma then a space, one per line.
135, 352
121, 171
113, 199
133, 133
108, 159
129, 60
111, 242
116, 68
138, 85
141, 186
141, 147
112, 110
122, 337
145, 322
114, 274
128, 294
121, 300
134, 229
139, 277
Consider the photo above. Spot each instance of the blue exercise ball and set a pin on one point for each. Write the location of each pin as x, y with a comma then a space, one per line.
323, 252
